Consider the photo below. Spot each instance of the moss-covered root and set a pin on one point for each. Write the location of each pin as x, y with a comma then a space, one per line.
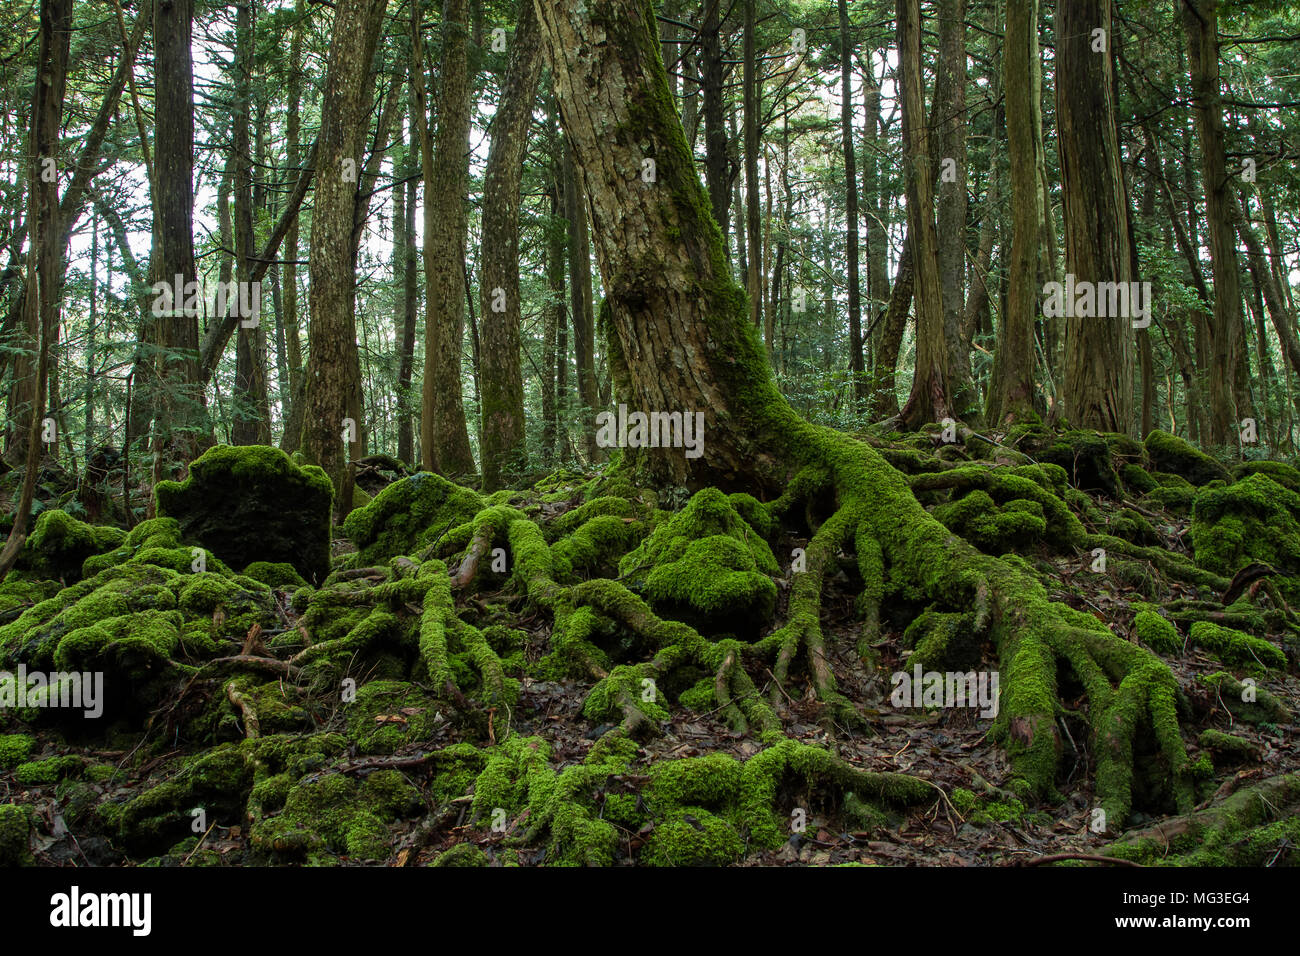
1258, 826
441, 629
803, 625
1130, 691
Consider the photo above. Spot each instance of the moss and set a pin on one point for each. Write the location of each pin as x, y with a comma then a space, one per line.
1086, 458
1170, 453
15, 835
693, 837
14, 749
943, 642
462, 854
59, 544
409, 516
1285, 475
597, 545
1133, 526
705, 562
1253, 704
1157, 633
1137, 480
218, 781
962, 800
40, 773
1255, 519
1235, 648
252, 503
387, 715
18, 594
992, 528
278, 575
1228, 745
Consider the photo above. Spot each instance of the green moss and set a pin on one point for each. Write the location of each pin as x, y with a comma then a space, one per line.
1137, 480
1235, 648
278, 575
59, 544
387, 715
1229, 745
15, 835
705, 562
943, 642
1255, 519
1170, 453
409, 516
1285, 475
693, 837
1248, 702
462, 854
1157, 633
1086, 458
14, 749
252, 503
40, 773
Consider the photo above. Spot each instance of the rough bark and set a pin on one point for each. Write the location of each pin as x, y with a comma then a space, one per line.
504, 453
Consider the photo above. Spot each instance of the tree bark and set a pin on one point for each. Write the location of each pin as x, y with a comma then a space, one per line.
504, 451
331, 413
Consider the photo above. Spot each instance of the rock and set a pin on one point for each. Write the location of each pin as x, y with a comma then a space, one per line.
252, 503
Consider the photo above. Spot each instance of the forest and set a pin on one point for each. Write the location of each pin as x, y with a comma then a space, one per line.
649, 432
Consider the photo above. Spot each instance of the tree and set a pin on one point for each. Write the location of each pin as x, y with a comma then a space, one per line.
679, 338
502, 377
856, 369
1099, 352
444, 436
1011, 389
332, 413
44, 262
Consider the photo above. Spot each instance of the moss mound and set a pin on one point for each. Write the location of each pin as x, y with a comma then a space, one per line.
59, 544
1254, 519
408, 516
1170, 453
252, 503
705, 563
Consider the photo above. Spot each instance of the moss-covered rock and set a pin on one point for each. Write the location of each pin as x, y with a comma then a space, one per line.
15, 749
1172, 454
279, 575
1086, 458
1254, 519
409, 516
252, 503
59, 544
705, 563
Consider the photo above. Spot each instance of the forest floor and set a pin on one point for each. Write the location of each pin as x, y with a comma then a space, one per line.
129, 793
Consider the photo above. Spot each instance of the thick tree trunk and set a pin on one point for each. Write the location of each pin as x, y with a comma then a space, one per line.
504, 452
292, 337
331, 414
410, 302
584, 322
1099, 351
444, 435
752, 106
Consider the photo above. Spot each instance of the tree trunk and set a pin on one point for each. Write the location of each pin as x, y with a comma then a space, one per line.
584, 323
1011, 391
856, 369
933, 390
1224, 331
504, 452
444, 435
752, 109
331, 414
410, 302
1098, 390
292, 337
44, 262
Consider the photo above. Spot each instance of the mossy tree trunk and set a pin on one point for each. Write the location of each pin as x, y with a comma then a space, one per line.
444, 435
333, 371
502, 380
680, 339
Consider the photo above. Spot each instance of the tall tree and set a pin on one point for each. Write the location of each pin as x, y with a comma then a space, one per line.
931, 399
44, 265
856, 368
1099, 352
1011, 388
444, 436
1225, 332
503, 450
331, 413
